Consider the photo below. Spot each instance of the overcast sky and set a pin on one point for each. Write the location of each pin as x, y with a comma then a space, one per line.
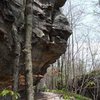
89, 21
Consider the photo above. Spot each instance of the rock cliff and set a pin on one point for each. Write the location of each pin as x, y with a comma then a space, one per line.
50, 33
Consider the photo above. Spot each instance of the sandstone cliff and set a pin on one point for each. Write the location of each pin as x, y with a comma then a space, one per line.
50, 33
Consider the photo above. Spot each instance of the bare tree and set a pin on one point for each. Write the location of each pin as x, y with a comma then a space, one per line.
28, 48
17, 49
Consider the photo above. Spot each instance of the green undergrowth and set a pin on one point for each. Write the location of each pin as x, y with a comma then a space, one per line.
7, 92
90, 74
69, 95
94, 73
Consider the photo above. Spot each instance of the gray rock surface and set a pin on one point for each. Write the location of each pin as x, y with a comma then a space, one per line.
50, 33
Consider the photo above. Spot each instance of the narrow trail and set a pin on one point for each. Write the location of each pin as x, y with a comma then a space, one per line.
48, 96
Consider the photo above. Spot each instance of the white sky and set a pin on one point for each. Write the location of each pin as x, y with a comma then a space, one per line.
88, 23
89, 19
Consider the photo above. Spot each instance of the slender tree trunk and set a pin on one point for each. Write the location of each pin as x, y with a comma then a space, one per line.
68, 63
27, 50
73, 65
16, 60
59, 72
66, 76
52, 78
62, 66
73, 62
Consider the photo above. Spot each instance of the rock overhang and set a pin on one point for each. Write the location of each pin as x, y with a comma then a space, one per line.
50, 33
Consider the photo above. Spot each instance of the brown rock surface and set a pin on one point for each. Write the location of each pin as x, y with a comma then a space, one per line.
50, 33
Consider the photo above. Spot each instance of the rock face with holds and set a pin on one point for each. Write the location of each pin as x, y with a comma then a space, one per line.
50, 33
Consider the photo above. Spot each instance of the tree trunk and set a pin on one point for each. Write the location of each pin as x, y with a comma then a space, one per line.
16, 60
27, 50
62, 65
52, 78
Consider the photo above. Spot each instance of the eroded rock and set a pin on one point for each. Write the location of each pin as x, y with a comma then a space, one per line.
50, 33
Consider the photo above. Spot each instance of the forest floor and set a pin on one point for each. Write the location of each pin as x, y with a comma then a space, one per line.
48, 96
59, 96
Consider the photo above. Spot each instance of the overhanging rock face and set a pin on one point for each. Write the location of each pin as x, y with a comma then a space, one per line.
50, 33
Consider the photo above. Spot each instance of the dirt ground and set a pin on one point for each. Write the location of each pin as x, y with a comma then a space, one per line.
48, 96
